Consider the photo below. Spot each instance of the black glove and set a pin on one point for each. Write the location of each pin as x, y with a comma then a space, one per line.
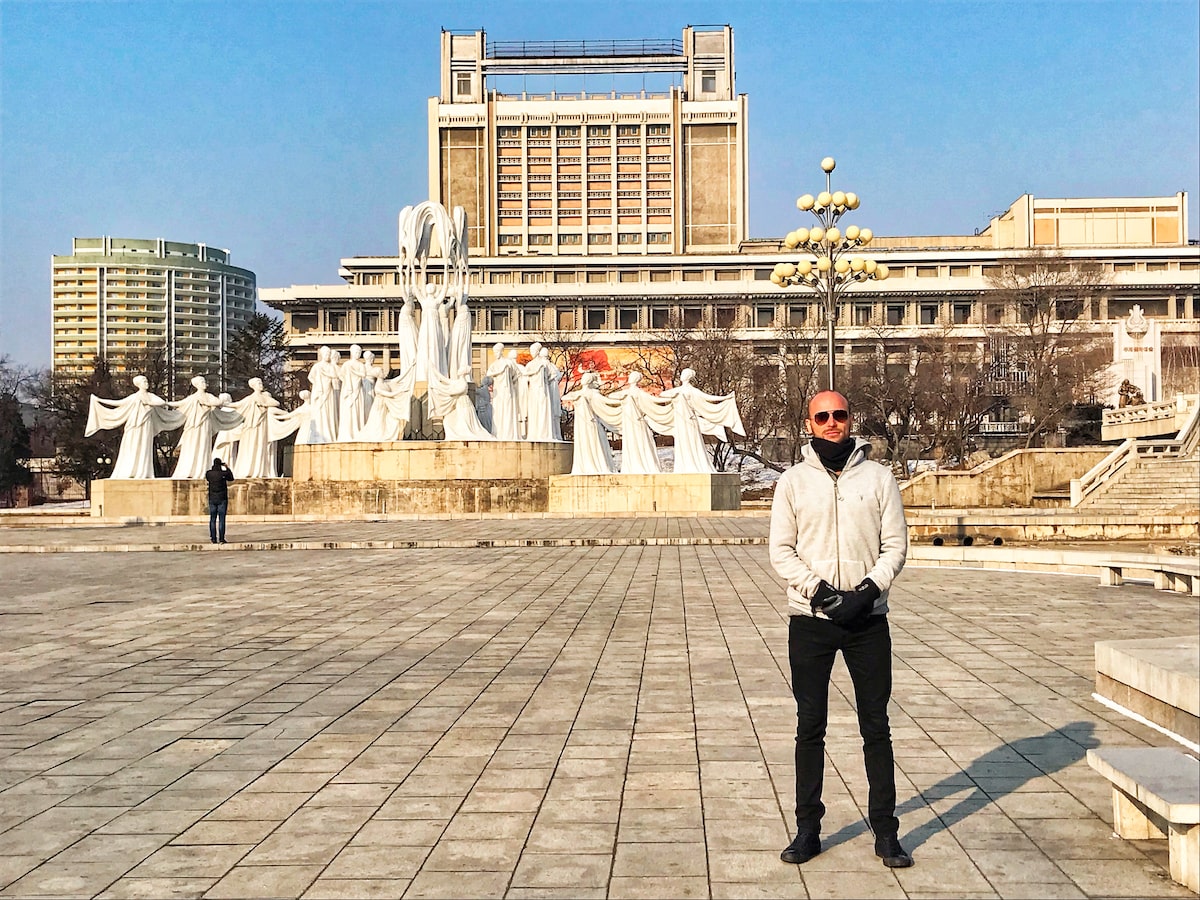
855, 605
825, 595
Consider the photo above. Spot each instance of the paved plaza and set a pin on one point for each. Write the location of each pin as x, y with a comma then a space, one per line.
589, 708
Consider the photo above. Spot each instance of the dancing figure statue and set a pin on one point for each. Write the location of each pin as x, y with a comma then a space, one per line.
483, 402
407, 332
323, 400
460, 337
537, 403
255, 456
427, 233
695, 414
298, 421
642, 414
595, 416
391, 409
372, 374
451, 402
203, 417
505, 375
141, 416
352, 404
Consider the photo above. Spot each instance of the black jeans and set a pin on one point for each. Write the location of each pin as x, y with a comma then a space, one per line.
867, 649
216, 513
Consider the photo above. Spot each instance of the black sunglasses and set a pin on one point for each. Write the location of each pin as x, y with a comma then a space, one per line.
839, 415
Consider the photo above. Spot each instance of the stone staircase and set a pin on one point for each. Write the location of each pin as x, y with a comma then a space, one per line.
1150, 485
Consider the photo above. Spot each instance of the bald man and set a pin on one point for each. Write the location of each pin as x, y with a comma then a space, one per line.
839, 539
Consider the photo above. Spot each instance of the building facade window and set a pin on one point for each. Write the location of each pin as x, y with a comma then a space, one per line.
498, 320
708, 81
568, 240
531, 320
595, 239
627, 318
510, 240
596, 318
539, 240
895, 314
629, 237
929, 314
764, 316
462, 84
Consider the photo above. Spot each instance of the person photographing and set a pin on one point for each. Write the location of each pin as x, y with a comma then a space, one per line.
839, 539
218, 478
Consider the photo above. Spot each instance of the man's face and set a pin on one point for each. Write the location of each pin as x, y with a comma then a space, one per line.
829, 417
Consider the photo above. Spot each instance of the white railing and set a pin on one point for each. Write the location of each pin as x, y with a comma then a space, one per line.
1101, 472
1150, 412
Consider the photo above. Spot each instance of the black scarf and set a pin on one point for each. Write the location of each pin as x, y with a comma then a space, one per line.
833, 455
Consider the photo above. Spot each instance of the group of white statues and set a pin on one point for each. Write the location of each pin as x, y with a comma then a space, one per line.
684, 412
242, 433
354, 401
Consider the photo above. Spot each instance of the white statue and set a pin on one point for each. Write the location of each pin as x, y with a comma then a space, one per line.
483, 402
460, 338
323, 399
537, 407
407, 334
431, 338
203, 418
297, 421
141, 416
255, 453
392, 408
505, 375
451, 403
695, 414
642, 414
372, 374
595, 415
555, 375
352, 405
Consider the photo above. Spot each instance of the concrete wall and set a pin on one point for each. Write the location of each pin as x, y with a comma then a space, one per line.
616, 494
1011, 480
431, 461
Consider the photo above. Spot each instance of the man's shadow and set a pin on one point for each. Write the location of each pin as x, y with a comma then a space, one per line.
996, 774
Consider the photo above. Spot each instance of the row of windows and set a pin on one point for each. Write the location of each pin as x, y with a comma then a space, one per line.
631, 316
513, 132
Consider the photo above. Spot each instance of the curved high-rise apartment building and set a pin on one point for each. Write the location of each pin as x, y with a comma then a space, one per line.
117, 297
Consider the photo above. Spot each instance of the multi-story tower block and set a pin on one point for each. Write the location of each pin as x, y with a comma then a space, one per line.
116, 297
597, 169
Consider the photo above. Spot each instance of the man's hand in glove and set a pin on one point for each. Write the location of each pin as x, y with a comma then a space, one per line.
825, 596
855, 606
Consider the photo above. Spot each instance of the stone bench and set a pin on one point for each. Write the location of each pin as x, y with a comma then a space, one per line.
1181, 575
1156, 794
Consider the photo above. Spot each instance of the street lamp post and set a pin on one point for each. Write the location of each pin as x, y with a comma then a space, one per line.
829, 265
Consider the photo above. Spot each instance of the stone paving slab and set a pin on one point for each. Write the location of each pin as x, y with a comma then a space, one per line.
542, 721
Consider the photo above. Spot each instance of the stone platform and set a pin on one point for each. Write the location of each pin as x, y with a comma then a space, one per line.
363, 479
667, 492
1155, 678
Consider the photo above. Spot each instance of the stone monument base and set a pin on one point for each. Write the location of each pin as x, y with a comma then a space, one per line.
431, 460
666, 493
362, 479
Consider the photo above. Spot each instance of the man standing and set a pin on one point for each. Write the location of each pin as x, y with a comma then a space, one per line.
839, 539
218, 478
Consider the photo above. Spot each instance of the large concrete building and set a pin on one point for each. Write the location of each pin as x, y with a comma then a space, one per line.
584, 172
609, 238
116, 297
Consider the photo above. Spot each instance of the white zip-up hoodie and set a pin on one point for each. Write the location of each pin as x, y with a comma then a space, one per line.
840, 531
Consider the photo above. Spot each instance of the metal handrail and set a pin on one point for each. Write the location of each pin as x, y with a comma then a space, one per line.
569, 49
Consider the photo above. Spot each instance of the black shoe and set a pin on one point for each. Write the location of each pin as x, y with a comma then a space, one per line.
222, 541
887, 848
214, 540
802, 849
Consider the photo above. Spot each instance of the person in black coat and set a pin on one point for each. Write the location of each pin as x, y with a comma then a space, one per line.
218, 478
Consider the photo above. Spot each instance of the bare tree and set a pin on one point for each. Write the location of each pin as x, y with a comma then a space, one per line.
886, 379
1053, 362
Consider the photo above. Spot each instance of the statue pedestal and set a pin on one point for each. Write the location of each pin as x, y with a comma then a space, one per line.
356, 480
665, 493
431, 460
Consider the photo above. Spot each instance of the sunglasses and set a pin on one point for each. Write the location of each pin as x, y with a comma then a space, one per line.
839, 415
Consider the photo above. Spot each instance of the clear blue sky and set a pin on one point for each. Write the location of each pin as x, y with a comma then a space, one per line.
292, 133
